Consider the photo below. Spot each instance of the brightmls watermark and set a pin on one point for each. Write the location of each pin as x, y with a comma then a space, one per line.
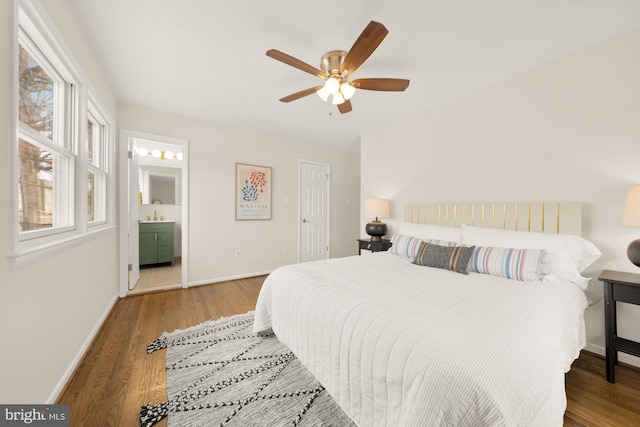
34, 415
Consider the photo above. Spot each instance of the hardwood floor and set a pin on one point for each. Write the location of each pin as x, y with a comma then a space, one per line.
117, 376
592, 401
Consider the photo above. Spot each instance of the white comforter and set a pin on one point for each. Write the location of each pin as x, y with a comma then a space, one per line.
397, 344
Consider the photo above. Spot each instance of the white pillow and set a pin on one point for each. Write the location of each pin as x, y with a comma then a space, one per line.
567, 257
430, 231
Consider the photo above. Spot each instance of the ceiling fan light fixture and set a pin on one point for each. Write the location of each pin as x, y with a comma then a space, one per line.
323, 93
337, 98
347, 90
332, 85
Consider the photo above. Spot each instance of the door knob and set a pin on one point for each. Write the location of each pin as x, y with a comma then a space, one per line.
305, 220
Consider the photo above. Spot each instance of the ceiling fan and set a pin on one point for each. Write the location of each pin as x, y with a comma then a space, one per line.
338, 65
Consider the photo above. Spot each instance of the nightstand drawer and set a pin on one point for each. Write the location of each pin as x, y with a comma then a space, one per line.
626, 293
375, 246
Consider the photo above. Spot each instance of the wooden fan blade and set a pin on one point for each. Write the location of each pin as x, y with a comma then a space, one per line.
345, 107
393, 85
367, 42
294, 62
300, 94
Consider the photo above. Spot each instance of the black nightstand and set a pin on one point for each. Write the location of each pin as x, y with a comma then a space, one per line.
623, 287
367, 244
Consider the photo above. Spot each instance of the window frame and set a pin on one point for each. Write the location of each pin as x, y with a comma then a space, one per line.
98, 167
33, 28
61, 144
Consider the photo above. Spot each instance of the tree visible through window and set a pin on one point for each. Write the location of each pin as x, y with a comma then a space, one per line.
63, 145
36, 100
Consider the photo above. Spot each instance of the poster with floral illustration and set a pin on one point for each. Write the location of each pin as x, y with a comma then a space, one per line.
253, 192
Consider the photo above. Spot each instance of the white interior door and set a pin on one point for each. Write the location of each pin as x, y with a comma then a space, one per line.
133, 208
314, 211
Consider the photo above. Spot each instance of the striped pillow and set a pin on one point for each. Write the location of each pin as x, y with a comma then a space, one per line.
408, 246
403, 245
454, 258
524, 265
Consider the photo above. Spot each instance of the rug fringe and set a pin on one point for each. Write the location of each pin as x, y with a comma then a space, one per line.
151, 414
157, 344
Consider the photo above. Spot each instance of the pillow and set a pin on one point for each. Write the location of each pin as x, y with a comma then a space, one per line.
524, 265
567, 256
408, 246
430, 231
454, 258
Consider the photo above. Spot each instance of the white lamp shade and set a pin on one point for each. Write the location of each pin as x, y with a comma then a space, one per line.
347, 90
332, 85
323, 93
337, 99
376, 208
631, 215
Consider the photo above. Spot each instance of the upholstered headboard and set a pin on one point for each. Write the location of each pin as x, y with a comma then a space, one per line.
546, 217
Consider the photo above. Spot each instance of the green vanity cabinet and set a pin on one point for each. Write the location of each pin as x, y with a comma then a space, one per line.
156, 242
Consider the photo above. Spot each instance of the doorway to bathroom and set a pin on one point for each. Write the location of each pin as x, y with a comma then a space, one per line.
154, 218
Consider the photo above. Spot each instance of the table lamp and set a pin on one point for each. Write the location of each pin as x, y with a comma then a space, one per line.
376, 208
631, 217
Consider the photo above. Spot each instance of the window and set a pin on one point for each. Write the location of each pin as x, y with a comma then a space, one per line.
64, 179
97, 173
46, 162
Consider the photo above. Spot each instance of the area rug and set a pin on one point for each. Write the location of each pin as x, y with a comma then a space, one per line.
220, 373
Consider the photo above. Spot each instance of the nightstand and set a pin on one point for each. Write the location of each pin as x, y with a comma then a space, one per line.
367, 244
623, 287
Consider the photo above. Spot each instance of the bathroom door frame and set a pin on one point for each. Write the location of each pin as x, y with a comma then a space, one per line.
123, 194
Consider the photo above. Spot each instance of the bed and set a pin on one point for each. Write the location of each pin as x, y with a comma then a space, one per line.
472, 318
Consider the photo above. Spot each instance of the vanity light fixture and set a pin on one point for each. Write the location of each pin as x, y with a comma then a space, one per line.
159, 154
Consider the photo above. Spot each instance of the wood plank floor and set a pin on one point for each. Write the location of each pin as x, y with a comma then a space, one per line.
117, 376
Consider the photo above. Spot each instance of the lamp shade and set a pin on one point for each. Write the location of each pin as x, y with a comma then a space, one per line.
631, 217
376, 208
632, 207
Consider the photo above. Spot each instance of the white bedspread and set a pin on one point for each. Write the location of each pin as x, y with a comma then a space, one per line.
397, 344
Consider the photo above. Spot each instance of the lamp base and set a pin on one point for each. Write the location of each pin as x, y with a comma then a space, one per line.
633, 252
376, 229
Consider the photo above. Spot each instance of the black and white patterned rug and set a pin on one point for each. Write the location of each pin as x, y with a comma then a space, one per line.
220, 373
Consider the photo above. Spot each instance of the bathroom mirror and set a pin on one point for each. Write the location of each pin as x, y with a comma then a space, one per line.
160, 185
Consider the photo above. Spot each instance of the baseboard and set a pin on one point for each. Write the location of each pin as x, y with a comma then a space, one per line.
74, 364
622, 357
228, 278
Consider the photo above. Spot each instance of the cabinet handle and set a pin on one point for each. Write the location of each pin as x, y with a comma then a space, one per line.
156, 236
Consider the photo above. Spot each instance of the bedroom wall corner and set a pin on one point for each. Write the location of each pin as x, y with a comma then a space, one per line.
565, 131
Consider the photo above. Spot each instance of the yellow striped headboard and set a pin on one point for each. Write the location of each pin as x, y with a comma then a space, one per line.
546, 217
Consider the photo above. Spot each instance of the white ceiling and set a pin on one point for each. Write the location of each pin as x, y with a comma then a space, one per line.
206, 59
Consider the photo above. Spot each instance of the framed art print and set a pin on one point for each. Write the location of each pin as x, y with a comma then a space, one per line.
253, 192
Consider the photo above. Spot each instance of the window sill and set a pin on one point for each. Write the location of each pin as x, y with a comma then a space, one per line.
22, 257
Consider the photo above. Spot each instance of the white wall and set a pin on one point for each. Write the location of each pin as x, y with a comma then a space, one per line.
48, 309
567, 131
214, 235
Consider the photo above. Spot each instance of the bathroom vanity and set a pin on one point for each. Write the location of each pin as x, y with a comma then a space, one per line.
156, 242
